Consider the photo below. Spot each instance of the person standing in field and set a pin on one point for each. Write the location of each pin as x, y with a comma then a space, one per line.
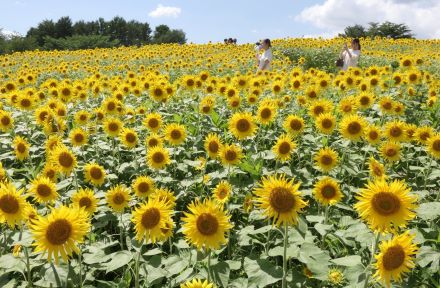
351, 56
264, 59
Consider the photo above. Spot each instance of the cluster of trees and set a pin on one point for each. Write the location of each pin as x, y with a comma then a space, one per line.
66, 35
374, 29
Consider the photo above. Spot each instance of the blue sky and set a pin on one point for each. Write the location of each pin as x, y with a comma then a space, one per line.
242, 19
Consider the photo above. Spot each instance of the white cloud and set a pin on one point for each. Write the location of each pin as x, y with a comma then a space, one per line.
334, 15
165, 11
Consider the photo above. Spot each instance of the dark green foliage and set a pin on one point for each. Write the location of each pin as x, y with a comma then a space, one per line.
385, 29
77, 42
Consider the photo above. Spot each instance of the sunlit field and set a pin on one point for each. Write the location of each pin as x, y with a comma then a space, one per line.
180, 166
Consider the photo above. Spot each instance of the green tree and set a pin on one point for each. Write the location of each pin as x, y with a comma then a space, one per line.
46, 28
393, 30
163, 34
63, 27
356, 31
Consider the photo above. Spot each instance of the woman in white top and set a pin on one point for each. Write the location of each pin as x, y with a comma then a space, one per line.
265, 58
351, 56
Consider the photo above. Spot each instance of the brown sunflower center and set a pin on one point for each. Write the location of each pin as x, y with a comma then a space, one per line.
85, 202
21, 148
377, 171
113, 126
153, 142
206, 109
396, 131
118, 198
393, 258
158, 157
354, 128
222, 193
424, 136
284, 148
364, 100
387, 105
153, 123
79, 138
385, 203
207, 224
390, 152
143, 187
318, 110
436, 145
9, 204
130, 137
266, 113
295, 125
230, 155
328, 191
58, 232
44, 190
373, 135
5, 120
327, 123
281, 200
243, 125
25, 103
150, 218
326, 160
176, 134
65, 159
213, 146
96, 173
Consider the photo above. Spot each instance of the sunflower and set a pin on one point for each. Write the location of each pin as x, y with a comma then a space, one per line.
283, 148
82, 117
150, 219
85, 199
21, 148
433, 145
113, 126
197, 283
395, 130
386, 206
78, 137
347, 105
318, 107
327, 191
3, 174
424, 133
377, 170
352, 127
43, 190
230, 154
386, 104
294, 125
396, 258
63, 159
266, 113
49, 171
242, 125
175, 134
118, 198
143, 186
373, 134
212, 145
153, 140
335, 277
206, 224
6, 121
12, 205
129, 138
52, 143
390, 151
165, 195
325, 123
280, 199
58, 233
94, 174
158, 157
326, 159
222, 192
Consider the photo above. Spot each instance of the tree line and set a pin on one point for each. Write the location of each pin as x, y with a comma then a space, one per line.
386, 29
66, 35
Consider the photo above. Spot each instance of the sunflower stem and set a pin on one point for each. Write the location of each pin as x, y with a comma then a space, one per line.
327, 208
136, 276
284, 282
209, 264
373, 251
121, 233
28, 268
80, 268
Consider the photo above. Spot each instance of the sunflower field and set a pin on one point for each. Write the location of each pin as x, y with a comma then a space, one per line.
181, 166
